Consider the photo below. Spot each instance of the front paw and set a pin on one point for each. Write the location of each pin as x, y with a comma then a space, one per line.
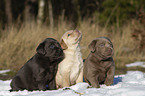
42, 88
108, 82
96, 86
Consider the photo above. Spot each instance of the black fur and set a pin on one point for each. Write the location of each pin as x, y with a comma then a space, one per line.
41, 69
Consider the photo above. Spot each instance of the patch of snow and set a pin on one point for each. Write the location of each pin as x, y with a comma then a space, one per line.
4, 71
130, 84
134, 77
141, 64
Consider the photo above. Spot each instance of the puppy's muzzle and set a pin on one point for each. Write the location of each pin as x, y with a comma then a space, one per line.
109, 51
78, 33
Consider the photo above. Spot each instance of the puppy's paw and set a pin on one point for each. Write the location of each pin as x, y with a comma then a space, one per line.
108, 82
89, 87
42, 88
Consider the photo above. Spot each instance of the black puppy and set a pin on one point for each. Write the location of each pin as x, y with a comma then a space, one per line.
41, 69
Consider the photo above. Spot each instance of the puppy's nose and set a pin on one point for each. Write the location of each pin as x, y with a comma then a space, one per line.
76, 30
109, 50
108, 46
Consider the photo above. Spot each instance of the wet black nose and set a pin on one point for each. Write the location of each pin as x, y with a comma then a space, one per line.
109, 50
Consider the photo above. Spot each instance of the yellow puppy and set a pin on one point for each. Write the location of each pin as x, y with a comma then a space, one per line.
70, 70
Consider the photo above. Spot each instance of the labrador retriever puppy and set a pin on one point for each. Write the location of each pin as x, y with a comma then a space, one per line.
99, 67
70, 70
41, 69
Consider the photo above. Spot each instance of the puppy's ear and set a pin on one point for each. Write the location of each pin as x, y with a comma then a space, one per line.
63, 44
40, 49
92, 46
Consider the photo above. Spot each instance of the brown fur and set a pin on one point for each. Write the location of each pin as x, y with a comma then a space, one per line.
99, 67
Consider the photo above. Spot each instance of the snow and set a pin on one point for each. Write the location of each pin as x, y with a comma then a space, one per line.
4, 71
130, 84
141, 64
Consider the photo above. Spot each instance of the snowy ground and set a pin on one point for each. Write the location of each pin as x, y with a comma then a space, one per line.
4, 71
130, 84
141, 64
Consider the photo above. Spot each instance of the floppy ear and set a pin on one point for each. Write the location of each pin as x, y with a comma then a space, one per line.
63, 44
40, 49
92, 46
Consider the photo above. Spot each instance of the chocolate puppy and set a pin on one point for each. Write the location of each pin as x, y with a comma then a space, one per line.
41, 69
99, 67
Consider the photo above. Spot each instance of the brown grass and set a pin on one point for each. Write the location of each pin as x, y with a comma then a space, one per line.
18, 45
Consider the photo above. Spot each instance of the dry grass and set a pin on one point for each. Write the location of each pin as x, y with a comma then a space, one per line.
18, 45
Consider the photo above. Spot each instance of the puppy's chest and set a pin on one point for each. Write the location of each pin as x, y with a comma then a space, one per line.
50, 72
74, 60
77, 63
51, 69
73, 56
104, 66
77, 60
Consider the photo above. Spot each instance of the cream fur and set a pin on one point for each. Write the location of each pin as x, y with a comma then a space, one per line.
70, 70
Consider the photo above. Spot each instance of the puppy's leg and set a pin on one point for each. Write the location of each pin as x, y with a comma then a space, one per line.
66, 79
80, 77
94, 81
110, 76
52, 85
41, 80
42, 85
17, 84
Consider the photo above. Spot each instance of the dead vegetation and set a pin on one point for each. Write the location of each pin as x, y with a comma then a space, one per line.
18, 45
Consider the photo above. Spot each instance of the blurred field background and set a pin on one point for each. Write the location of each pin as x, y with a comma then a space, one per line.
26, 23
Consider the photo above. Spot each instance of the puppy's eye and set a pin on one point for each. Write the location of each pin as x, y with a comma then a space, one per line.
101, 45
68, 35
51, 46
